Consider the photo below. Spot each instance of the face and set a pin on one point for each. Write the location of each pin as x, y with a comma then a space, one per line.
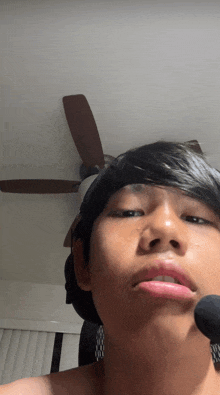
142, 223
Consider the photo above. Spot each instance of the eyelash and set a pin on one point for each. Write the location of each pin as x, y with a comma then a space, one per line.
120, 213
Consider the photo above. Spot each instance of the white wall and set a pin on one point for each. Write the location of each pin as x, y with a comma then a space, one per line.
39, 307
30, 315
149, 69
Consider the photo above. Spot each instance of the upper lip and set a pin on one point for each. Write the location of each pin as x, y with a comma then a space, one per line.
166, 268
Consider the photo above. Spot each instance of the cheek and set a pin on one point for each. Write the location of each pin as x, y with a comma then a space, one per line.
112, 256
204, 256
113, 249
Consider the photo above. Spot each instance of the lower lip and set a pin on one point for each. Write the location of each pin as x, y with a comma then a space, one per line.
166, 290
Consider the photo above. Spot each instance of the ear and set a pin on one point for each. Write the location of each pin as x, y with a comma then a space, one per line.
82, 273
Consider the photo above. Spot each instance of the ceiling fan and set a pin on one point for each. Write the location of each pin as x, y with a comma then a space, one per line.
86, 138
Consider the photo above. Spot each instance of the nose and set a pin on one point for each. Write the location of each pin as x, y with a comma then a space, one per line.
164, 231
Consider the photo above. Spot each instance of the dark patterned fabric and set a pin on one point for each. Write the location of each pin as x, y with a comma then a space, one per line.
87, 343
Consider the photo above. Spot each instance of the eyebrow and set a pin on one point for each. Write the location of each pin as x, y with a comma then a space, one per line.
135, 187
141, 188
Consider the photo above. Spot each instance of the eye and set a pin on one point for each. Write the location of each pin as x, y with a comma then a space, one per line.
126, 213
136, 213
197, 220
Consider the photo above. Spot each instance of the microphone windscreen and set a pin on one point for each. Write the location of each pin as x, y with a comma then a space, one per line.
207, 317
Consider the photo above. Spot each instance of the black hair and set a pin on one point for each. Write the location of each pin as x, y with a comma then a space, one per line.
162, 163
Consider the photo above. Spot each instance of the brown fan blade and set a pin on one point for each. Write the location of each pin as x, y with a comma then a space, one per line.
84, 130
39, 186
195, 146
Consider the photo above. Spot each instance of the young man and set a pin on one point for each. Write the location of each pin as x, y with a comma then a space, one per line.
154, 212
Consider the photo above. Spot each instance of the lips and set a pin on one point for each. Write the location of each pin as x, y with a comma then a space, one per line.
166, 268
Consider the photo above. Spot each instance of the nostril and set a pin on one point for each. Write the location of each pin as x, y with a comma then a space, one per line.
153, 242
174, 243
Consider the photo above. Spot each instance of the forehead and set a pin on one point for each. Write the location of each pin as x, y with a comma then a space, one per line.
143, 191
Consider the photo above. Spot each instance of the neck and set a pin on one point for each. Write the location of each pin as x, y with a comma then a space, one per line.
159, 367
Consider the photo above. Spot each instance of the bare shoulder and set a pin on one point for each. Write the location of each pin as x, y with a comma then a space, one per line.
84, 380
31, 386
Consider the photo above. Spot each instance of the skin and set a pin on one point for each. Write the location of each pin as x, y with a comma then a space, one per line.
152, 345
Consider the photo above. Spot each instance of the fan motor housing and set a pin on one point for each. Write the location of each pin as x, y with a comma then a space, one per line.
85, 172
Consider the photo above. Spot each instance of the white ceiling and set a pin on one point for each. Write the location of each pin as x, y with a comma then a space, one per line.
149, 70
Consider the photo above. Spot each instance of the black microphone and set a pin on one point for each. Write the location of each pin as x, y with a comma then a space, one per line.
207, 317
